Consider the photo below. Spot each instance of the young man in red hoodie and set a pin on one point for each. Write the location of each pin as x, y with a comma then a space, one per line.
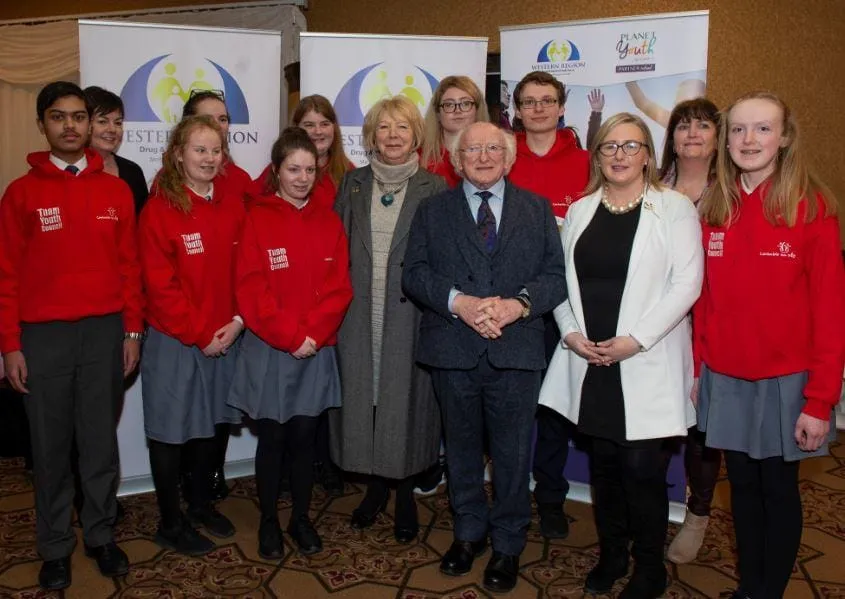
550, 163
71, 322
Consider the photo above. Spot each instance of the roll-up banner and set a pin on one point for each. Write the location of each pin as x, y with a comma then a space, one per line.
155, 68
643, 64
356, 71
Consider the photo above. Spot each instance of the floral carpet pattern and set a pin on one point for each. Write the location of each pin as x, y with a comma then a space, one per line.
371, 565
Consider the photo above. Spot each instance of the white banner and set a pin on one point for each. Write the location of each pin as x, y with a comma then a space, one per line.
644, 64
154, 68
356, 71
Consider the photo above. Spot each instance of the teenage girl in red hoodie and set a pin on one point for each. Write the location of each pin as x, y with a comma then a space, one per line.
769, 330
188, 236
293, 290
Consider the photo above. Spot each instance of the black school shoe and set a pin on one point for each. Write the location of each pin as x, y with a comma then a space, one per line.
217, 485
612, 566
643, 584
270, 543
111, 560
553, 521
305, 535
184, 539
55, 574
501, 572
214, 523
328, 476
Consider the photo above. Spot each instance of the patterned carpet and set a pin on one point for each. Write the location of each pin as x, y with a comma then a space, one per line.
371, 565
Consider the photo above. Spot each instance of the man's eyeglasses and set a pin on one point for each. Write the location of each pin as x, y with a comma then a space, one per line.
629, 148
542, 102
462, 106
207, 92
491, 149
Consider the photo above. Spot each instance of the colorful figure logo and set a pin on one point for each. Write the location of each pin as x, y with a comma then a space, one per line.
558, 51
147, 101
368, 86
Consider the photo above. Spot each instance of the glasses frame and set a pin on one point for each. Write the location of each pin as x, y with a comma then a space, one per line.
622, 146
543, 103
214, 92
456, 106
490, 149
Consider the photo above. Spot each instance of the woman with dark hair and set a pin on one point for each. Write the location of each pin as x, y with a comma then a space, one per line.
293, 289
689, 167
389, 424
238, 183
106, 137
456, 103
188, 234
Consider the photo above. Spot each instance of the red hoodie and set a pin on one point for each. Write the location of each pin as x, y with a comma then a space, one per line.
67, 248
323, 193
560, 175
445, 169
773, 302
188, 264
293, 273
236, 180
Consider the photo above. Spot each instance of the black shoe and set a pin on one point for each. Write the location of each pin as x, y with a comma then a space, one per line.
217, 486
458, 560
329, 477
364, 516
612, 566
302, 531
111, 560
184, 539
553, 521
429, 479
501, 572
644, 584
405, 535
55, 574
270, 544
214, 523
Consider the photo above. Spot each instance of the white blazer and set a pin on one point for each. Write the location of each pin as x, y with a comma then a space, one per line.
664, 280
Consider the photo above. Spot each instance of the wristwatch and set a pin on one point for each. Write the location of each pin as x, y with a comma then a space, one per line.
523, 299
134, 336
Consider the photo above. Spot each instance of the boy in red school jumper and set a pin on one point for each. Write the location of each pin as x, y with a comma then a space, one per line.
71, 323
549, 163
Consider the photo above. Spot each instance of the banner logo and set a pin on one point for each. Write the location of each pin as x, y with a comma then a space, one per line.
158, 89
558, 51
372, 83
638, 48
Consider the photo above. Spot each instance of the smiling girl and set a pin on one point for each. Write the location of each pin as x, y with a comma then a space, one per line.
769, 330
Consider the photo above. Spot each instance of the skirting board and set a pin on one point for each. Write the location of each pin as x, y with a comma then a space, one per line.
579, 492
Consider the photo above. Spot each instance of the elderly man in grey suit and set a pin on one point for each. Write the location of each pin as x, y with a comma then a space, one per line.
484, 261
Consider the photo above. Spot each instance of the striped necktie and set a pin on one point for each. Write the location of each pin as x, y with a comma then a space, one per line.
486, 221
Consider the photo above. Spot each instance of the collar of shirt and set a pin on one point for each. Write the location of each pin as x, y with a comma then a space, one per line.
81, 164
496, 201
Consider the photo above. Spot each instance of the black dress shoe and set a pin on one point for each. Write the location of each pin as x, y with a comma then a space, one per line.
55, 574
612, 565
501, 572
184, 539
553, 521
217, 486
405, 535
429, 479
303, 532
111, 560
458, 560
214, 523
270, 544
364, 516
646, 584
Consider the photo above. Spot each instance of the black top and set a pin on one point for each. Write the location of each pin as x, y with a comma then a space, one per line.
134, 177
602, 254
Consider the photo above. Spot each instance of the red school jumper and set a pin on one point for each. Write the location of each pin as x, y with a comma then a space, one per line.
293, 273
323, 193
560, 175
67, 248
445, 169
773, 301
188, 262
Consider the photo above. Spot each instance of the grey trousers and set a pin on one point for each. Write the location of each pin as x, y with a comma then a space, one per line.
75, 380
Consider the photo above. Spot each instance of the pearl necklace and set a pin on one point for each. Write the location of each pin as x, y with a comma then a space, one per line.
620, 209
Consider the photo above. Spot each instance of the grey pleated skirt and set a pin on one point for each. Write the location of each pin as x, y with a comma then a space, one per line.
184, 392
754, 417
273, 384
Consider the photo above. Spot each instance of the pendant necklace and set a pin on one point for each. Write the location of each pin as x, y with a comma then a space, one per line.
389, 192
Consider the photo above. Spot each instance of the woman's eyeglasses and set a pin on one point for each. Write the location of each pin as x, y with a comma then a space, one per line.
462, 106
629, 148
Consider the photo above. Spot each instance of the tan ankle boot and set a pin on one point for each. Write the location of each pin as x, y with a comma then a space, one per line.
684, 547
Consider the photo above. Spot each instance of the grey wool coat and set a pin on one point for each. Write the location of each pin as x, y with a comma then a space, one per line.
403, 438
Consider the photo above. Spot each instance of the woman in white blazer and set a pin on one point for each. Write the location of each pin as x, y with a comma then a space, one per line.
623, 371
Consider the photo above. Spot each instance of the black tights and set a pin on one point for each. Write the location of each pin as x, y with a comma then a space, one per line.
378, 489
702, 464
165, 463
296, 439
766, 506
